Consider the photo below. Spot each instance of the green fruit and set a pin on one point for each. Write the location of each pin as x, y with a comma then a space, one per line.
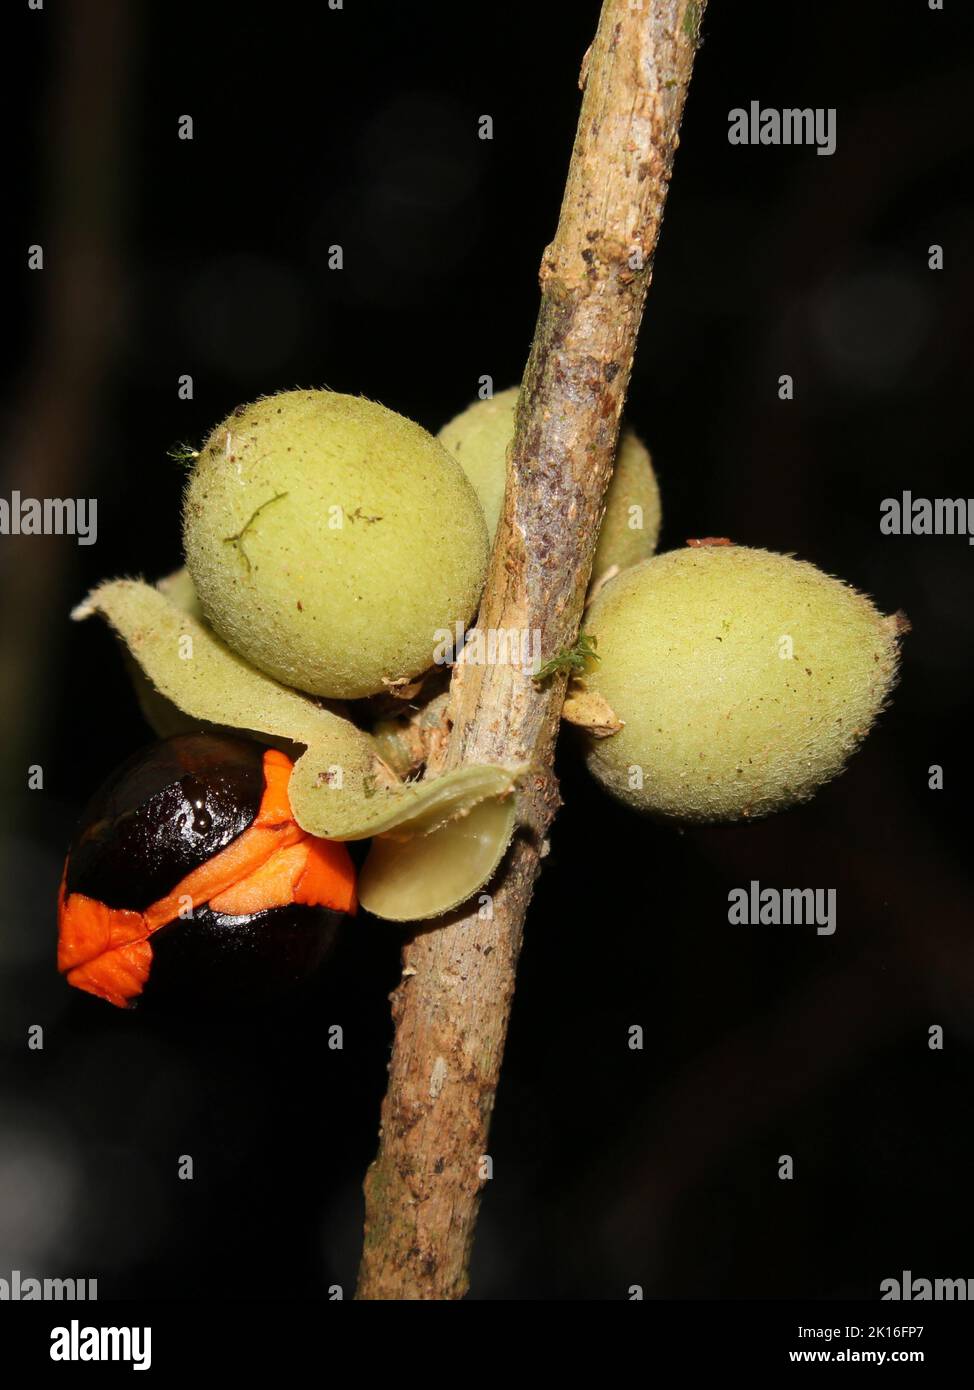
329, 539
478, 439
745, 680
632, 497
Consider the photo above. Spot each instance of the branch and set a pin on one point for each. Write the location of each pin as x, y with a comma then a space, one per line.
452, 1006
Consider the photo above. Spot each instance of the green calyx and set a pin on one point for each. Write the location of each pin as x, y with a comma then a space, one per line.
340, 788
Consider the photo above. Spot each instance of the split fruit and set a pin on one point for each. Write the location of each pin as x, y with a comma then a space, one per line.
189, 882
744, 681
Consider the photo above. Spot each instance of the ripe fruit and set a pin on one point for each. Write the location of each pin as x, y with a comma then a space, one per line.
329, 539
478, 439
450, 830
189, 880
745, 679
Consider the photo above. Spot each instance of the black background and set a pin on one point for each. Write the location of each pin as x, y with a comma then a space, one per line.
359, 127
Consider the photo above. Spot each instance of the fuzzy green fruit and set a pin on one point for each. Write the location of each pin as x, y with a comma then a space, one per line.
632, 496
328, 539
478, 439
745, 679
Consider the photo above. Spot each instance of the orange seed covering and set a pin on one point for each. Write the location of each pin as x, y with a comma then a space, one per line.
106, 951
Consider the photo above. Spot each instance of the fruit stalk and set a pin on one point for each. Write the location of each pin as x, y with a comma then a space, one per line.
452, 1005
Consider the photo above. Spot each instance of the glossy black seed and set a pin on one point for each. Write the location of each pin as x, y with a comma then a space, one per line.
213, 960
162, 814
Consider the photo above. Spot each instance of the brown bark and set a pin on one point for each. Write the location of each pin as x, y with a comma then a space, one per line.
452, 1007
